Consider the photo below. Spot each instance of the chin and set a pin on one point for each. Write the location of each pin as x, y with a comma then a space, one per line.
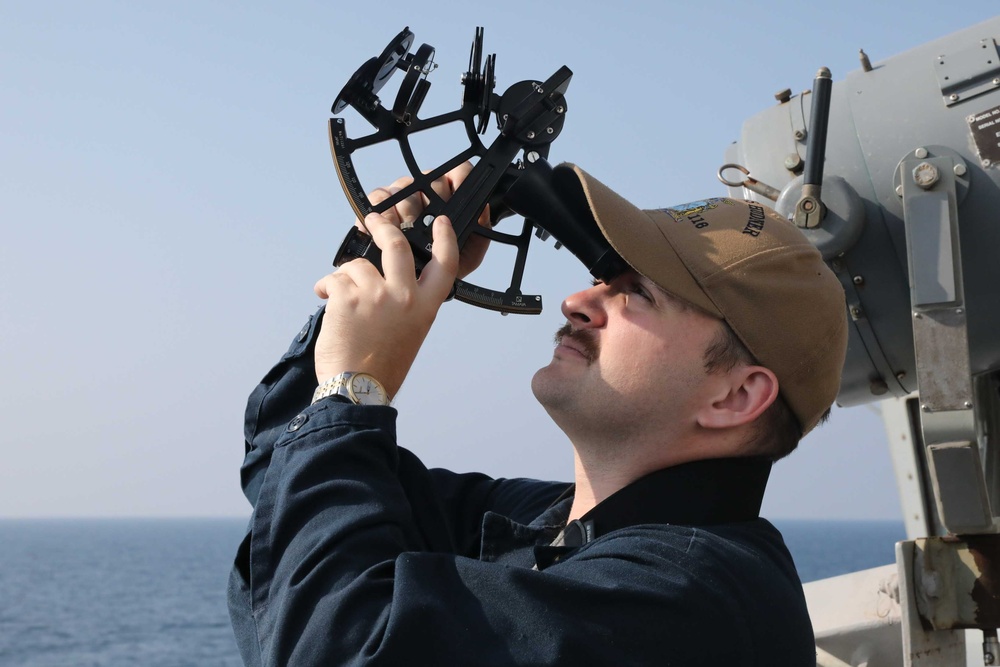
549, 389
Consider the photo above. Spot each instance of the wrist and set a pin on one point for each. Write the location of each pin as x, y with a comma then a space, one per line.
358, 388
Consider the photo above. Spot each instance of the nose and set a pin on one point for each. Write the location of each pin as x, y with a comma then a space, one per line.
585, 309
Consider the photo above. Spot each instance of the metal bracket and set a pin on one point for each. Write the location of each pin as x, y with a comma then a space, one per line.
940, 329
969, 72
940, 339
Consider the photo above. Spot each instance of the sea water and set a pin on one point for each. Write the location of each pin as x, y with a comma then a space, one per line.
152, 593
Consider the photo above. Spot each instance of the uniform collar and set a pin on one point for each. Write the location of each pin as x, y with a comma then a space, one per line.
699, 493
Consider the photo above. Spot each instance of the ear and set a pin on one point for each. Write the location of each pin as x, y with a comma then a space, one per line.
742, 395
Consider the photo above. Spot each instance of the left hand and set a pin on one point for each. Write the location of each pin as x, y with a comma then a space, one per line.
374, 324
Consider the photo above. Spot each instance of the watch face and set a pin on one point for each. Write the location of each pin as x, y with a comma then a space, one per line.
367, 390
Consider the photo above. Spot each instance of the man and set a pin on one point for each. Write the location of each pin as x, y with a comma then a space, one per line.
677, 383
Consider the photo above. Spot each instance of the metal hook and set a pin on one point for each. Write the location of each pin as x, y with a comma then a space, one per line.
749, 182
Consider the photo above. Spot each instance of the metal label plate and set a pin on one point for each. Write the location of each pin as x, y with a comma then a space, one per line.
985, 129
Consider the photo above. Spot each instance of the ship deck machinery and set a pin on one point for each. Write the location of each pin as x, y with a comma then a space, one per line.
894, 173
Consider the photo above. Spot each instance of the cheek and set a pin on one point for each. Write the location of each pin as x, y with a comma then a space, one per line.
640, 360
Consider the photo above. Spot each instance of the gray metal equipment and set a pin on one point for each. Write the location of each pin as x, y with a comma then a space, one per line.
905, 208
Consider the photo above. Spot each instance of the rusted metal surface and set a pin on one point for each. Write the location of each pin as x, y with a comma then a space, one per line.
957, 582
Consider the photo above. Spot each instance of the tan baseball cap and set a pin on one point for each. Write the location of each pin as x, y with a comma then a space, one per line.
745, 264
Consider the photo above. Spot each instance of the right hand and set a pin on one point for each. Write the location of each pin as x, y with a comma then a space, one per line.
412, 208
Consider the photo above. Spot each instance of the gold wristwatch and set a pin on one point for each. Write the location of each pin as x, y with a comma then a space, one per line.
358, 388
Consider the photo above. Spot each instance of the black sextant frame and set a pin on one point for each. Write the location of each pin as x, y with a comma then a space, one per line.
529, 115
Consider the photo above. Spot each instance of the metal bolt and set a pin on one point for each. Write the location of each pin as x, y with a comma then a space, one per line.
783, 95
855, 313
921, 153
901, 375
953, 97
533, 156
800, 134
959, 311
960, 169
899, 190
996, 82
969, 119
531, 134
808, 205
560, 109
538, 298
987, 163
925, 407
925, 175
858, 280
917, 315
549, 130
967, 404
793, 162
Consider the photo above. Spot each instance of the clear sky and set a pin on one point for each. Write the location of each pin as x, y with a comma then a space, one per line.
167, 200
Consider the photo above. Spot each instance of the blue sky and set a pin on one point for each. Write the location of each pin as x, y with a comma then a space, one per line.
168, 199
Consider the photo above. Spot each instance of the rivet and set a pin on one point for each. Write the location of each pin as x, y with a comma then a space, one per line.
920, 153
968, 404
858, 280
901, 375
899, 190
925, 408
549, 130
800, 134
959, 311
530, 135
960, 169
953, 97
917, 315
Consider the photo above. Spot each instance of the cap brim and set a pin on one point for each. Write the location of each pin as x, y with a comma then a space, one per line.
640, 238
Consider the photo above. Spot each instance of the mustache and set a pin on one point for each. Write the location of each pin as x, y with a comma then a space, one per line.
584, 338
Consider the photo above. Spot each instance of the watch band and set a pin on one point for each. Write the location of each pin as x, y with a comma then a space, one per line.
348, 385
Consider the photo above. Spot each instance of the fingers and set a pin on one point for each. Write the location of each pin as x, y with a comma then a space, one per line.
439, 274
406, 210
397, 259
412, 207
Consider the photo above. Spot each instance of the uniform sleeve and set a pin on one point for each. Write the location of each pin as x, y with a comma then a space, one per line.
455, 501
446, 519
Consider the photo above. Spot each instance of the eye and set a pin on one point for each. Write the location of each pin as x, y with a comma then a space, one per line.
637, 287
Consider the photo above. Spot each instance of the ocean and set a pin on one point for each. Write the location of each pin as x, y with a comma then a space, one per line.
152, 593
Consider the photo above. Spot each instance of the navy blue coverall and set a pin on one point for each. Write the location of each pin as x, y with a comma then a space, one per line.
356, 554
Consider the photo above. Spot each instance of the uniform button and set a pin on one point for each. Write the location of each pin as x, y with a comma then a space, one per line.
297, 423
304, 332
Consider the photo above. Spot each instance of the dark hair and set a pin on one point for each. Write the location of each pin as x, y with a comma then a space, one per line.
776, 432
